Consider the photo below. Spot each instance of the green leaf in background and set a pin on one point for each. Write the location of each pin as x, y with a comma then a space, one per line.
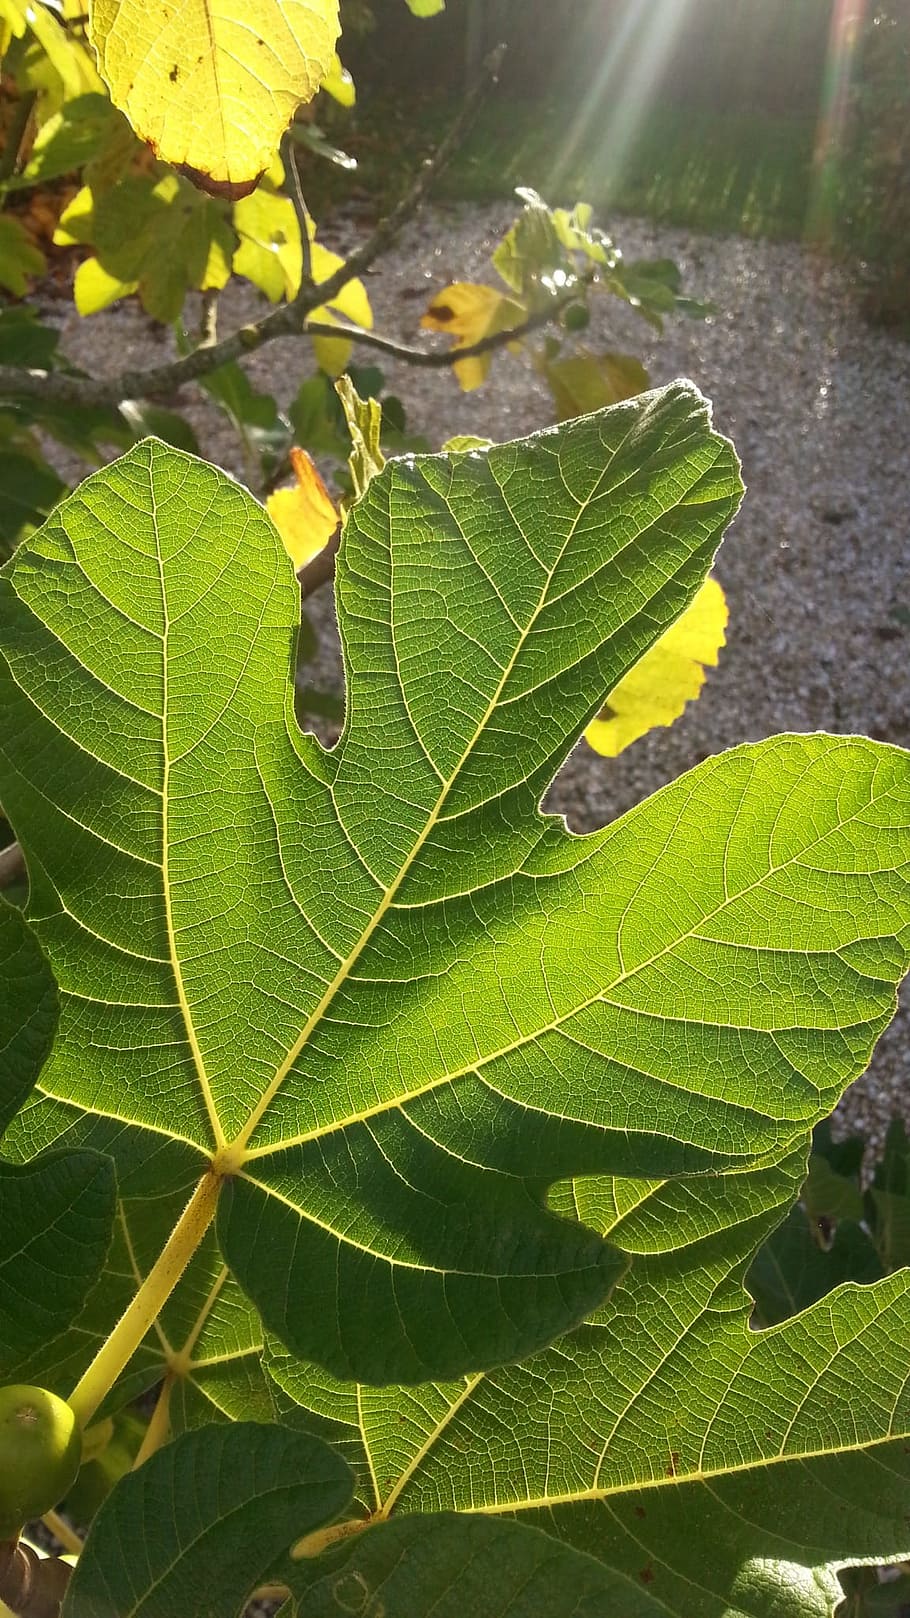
57, 1217
871, 1593
24, 340
19, 258
711, 1469
112, 1449
86, 130
426, 8
155, 235
793, 1270
446, 1566
28, 1011
56, 1213
652, 287
388, 999
143, 419
29, 490
888, 1198
828, 1196
838, 1232
264, 431
215, 1514
582, 382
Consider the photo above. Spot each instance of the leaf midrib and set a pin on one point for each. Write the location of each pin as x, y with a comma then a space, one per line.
237, 1151
700, 1474
401, 1100
176, 966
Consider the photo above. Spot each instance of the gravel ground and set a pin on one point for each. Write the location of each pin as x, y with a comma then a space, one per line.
817, 566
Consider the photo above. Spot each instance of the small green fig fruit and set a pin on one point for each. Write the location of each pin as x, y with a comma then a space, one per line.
576, 317
40, 1452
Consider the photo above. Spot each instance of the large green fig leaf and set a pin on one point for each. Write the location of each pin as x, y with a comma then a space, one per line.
205, 1521
387, 999
713, 1470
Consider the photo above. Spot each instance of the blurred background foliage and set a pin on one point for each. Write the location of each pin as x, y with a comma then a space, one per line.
779, 118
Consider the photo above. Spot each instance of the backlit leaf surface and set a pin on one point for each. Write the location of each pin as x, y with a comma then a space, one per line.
213, 84
208, 1337
712, 1470
390, 999
28, 1010
56, 1216
445, 1566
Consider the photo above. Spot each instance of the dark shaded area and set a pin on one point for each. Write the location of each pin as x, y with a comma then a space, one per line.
734, 53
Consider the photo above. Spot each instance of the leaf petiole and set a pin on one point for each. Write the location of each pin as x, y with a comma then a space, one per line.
150, 1299
159, 1427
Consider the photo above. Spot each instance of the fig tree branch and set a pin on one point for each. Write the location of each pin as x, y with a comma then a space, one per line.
438, 358
288, 320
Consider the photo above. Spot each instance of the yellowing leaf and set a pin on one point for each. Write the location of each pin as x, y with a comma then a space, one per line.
269, 253
339, 84
304, 514
656, 690
13, 14
157, 237
584, 382
70, 63
352, 303
462, 443
469, 312
95, 289
364, 420
212, 84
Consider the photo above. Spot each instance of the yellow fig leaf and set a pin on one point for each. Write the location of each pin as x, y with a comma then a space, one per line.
469, 311
269, 252
351, 303
339, 84
656, 690
95, 289
304, 514
213, 84
12, 13
68, 61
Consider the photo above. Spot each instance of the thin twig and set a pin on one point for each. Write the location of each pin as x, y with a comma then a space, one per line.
298, 202
15, 135
438, 358
288, 320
